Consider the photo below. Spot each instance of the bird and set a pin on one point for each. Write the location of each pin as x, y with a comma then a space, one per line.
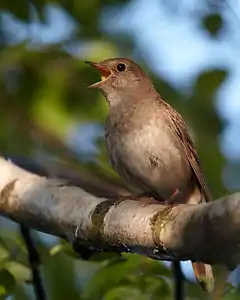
148, 143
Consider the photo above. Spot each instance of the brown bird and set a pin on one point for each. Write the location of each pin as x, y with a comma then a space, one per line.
148, 142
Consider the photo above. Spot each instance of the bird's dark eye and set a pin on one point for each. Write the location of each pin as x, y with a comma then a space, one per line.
121, 67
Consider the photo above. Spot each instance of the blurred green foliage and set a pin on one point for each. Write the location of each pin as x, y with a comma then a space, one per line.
213, 23
44, 97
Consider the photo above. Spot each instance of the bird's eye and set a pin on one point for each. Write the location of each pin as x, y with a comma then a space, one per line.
121, 67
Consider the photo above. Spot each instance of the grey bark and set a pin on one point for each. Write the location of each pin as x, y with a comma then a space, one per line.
206, 232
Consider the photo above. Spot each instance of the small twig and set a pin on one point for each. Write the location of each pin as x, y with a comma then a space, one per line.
34, 261
179, 280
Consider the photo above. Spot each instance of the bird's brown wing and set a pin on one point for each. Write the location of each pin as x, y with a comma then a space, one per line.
180, 127
203, 272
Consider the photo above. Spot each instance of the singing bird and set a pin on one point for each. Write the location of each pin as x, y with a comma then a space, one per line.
148, 143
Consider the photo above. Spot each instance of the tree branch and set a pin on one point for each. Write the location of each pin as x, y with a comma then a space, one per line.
206, 232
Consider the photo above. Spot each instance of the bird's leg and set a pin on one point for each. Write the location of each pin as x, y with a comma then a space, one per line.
148, 198
144, 198
172, 199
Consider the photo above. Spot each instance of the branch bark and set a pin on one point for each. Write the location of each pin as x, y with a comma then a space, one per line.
206, 232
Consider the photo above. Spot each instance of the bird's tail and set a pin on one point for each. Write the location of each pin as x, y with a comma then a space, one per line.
204, 276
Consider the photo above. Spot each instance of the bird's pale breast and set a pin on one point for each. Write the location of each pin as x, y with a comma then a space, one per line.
150, 157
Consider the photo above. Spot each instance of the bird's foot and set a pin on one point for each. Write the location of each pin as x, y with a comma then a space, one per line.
173, 198
144, 198
145, 201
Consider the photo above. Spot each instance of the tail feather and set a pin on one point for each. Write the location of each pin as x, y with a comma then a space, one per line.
204, 276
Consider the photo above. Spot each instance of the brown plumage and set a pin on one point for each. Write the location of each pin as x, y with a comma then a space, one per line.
148, 142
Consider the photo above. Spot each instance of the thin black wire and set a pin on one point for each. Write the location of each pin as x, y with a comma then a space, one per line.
34, 261
179, 281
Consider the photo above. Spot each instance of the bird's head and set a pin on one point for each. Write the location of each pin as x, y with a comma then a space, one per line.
120, 77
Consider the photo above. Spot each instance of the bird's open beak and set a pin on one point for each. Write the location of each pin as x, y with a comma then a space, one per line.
104, 71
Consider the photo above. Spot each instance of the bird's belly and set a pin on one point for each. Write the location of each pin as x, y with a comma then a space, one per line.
151, 161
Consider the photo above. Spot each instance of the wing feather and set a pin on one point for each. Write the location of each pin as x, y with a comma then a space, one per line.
179, 126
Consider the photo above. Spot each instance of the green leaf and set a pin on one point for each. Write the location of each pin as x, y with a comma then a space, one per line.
155, 286
194, 291
101, 256
19, 11
7, 283
59, 273
213, 23
12, 241
110, 276
234, 294
125, 292
4, 255
3, 291
20, 293
208, 82
65, 247
19, 271
57, 248
154, 268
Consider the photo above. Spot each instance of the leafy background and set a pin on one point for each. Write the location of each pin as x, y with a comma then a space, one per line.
190, 50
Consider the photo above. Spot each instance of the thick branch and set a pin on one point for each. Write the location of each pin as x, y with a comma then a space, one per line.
206, 232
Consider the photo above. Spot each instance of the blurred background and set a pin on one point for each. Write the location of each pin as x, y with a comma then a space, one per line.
189, 48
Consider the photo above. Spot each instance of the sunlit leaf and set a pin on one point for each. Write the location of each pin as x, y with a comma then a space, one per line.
3, 291
67, 248
4, 254
125, 292
7, 283
19, 271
